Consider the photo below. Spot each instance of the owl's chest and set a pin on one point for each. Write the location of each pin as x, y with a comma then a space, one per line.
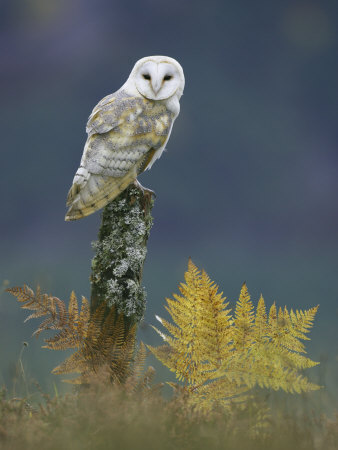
153, 121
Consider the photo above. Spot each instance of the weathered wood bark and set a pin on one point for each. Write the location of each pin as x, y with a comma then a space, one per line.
120, 253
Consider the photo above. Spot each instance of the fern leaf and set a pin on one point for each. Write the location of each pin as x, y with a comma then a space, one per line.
100, 340
42, 305
134, 381
73, 364
260, 325
140, 361
23, 295
220, 357
73, 312
244, 319
167, 355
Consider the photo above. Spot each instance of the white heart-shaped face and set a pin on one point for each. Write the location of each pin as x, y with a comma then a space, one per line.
158, 78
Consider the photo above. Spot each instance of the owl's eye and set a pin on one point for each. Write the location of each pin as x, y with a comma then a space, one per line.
146, 76
167, 77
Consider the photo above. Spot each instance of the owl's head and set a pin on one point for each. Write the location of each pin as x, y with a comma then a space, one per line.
158, 77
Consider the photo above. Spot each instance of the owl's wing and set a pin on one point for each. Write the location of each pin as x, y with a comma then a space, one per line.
105, 116
124, 133
121, 130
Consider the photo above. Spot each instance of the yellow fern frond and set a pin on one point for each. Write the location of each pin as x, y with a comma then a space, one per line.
244, 319
220, 357
168, 356
260, 324
201, 336
272, 321
215, 325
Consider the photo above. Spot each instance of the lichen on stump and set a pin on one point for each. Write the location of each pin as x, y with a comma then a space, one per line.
120, 253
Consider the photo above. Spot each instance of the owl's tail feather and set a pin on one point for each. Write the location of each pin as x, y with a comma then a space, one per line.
95, 193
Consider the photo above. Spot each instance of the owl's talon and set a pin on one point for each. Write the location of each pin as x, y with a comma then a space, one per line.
145, 191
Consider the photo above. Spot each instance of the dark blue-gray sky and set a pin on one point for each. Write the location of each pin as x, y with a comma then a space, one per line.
248, 186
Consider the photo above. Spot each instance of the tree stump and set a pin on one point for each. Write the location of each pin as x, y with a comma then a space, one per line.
121, 248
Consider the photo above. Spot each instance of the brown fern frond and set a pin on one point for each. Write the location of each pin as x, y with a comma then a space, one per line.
43, 305
135, 381
145, 383
75, 363
139, 361
123, 358
102, 344
95, 325
23, 295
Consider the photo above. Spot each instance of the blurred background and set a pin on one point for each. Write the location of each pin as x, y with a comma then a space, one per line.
247, 188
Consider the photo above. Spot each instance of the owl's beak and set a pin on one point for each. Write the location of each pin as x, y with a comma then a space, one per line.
156, 85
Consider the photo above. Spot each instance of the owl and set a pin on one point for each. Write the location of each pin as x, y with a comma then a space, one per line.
127, 132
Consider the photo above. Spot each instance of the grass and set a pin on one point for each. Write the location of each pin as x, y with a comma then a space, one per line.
111, 417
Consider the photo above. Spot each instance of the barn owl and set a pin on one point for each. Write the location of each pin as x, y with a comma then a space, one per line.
127, 132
